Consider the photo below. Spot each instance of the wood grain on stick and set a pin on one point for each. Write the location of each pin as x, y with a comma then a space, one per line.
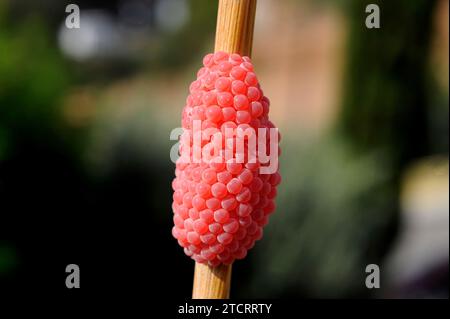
211, 282
235, 22
234, 34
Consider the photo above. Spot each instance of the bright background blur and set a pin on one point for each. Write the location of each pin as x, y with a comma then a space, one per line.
85, 117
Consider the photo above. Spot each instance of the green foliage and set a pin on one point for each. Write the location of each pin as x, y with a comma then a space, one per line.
8, 258
338, 203
186, 45
33, 79
386, 97
330, 221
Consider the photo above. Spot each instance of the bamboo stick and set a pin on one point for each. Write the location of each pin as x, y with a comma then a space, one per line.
234, 34
211, 282
235, 22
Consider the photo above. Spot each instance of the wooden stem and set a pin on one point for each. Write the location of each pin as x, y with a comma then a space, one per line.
234, 34
211, 282
235, 22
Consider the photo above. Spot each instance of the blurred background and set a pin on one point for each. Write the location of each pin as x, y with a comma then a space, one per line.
85, 173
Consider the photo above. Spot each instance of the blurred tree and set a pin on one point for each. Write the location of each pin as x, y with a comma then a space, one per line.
33, 80
38, 153
182, 47
340, 211
387, 92
7, 258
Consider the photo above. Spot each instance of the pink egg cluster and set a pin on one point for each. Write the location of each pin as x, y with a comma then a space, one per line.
220, 207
